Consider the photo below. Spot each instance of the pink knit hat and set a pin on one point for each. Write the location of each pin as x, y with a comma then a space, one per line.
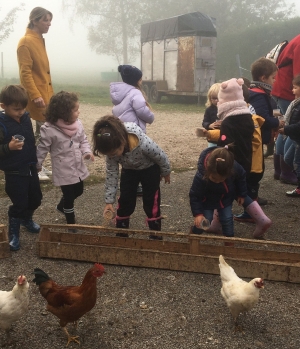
231, 99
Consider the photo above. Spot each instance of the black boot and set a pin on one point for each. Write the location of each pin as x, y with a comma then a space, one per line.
14, 233
270, 149
29, 224
122, 223
60, 206
70, 217
155, 225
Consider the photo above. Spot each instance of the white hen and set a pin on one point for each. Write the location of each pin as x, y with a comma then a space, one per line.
14, 303
239, 295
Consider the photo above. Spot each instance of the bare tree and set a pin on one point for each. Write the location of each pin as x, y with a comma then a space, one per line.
7, 23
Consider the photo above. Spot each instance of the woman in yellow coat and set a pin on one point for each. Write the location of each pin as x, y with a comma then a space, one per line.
34, 68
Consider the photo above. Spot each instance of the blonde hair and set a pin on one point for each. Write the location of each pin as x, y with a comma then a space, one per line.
213, 90
36, 14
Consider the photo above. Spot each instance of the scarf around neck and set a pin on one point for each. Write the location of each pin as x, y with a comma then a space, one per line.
262, 85
69, 130
289, 111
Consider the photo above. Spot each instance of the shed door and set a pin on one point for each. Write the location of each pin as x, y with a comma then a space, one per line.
186, 64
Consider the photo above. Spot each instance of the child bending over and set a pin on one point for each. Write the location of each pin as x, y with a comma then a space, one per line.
18, 161
218, 181
63, 136
141, 159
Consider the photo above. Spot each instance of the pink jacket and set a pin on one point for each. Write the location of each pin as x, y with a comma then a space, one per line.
66, 153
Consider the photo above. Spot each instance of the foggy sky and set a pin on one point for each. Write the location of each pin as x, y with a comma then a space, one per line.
68, 51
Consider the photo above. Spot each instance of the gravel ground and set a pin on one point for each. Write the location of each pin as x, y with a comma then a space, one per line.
141, 308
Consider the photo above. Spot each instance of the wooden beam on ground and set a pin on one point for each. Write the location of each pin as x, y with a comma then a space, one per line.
4, 246
177, 251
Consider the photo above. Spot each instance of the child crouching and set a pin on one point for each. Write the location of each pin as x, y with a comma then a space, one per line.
217, 183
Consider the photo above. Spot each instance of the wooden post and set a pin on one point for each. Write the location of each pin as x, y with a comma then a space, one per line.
2, 70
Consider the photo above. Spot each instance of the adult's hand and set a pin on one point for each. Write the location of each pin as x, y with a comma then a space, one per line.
39, 102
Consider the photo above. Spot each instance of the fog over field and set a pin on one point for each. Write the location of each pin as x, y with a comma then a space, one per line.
68, 50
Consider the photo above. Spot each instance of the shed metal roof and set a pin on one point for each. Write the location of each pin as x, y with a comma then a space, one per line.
190, 24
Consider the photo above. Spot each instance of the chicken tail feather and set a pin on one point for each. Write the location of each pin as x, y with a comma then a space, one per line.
40, 276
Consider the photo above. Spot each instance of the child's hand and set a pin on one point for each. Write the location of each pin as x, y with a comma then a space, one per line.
14, 144
281, 131
167, 178
108, 207
89, 156
240, 201
198, 220
281, 123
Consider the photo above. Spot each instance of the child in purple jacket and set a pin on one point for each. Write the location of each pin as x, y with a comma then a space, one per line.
130, 104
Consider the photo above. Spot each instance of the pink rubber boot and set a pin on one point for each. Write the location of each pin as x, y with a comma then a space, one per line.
215, 225
262, 222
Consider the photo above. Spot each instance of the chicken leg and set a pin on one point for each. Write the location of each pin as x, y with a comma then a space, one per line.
70, 338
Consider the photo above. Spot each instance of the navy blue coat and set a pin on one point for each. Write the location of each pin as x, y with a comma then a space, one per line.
293, 129
207, 195
210, 116
262, 104
16, 160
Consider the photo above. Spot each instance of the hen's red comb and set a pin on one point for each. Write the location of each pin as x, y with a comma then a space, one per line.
99, 266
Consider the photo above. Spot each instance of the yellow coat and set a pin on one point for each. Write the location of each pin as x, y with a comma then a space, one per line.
34, 71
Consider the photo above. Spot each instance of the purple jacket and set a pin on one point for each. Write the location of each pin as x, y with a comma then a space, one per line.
66, 153
130, 105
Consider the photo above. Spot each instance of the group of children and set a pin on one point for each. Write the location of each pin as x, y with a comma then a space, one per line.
229, 169
231, 123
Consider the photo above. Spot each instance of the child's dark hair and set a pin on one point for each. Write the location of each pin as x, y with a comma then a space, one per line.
60, 106
109, 134
262, 67
296, 80
220, 162
14, 94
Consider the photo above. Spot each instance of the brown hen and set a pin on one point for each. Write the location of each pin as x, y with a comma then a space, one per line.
69, 303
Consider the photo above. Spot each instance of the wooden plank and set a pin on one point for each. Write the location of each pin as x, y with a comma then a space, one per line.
270, 260
100, 240
274, 271
4, 245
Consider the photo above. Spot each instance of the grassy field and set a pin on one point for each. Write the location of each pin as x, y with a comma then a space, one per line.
99, 95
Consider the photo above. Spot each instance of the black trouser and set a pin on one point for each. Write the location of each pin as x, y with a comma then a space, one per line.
24, 192
150, 180
70, 193
253, 180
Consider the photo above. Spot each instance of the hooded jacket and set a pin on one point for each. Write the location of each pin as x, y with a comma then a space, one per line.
208, 195
143, 153
66, 153
130, 105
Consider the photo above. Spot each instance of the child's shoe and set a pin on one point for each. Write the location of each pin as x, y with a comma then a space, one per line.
243, 217
293, 193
